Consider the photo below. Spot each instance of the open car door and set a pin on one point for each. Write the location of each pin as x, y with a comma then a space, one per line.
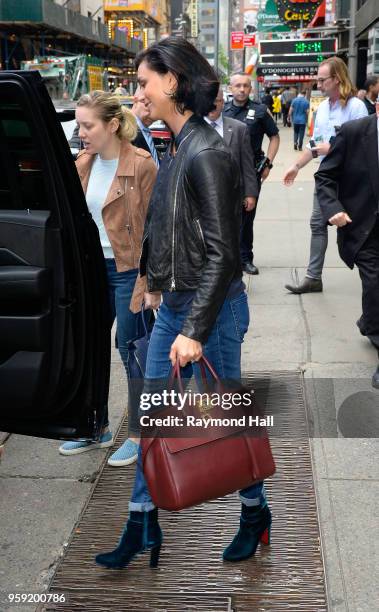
54, 318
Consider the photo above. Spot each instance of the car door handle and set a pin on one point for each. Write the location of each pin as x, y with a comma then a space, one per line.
23, 284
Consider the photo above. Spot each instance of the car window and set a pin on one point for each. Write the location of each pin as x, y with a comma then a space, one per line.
22, 183
68, 128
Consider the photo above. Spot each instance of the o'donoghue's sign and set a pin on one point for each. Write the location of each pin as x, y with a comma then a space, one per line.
263, 71
281, 70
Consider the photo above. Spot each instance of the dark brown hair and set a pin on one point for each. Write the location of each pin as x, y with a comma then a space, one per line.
197, 81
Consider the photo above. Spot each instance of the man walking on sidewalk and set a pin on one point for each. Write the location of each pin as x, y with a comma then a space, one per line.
347, 185
298, 114
342, 105
287, 98
259, 122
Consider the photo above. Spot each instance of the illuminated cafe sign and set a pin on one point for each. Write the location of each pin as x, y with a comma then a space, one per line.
297, 13
263, 71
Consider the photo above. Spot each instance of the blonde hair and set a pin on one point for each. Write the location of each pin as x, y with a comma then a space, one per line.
338, 70
108, 107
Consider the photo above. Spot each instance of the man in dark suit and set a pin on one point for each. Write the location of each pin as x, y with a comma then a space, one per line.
372, 91
347, 185
260, 123
236, 136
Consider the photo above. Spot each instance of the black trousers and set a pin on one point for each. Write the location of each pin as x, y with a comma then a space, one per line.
298, 134
247, 231
247, 235
285, 111
367, 262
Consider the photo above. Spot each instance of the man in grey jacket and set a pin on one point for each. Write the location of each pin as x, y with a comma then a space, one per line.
236, 136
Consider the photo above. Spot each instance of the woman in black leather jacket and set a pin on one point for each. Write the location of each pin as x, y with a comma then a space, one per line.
191, 259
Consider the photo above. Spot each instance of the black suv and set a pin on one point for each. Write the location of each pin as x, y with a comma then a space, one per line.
54, 343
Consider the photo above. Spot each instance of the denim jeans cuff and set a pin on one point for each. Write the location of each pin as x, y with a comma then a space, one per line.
250, 502
141, 506
259, 500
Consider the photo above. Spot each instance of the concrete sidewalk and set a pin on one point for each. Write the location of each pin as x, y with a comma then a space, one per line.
318, 334
43, 493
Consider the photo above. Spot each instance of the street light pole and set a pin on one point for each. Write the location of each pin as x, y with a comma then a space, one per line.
217, 37
352, 62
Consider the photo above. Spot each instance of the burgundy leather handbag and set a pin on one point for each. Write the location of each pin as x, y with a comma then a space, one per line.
185, 471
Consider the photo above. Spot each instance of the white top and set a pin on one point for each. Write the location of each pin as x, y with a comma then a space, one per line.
329, 116
100, 180
219, 127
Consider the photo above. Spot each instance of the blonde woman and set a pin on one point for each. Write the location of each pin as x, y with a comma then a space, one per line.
117, 179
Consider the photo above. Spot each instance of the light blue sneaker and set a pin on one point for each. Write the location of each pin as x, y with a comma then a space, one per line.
76, 446
125, 455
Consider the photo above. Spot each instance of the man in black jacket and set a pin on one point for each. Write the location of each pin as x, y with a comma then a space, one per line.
347, 185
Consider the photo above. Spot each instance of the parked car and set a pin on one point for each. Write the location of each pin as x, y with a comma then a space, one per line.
54, 340
161, 136
66, 116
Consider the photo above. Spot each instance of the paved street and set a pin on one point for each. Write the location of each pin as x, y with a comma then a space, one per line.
43, 493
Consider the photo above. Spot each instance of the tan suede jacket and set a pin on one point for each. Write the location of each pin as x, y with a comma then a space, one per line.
125, 207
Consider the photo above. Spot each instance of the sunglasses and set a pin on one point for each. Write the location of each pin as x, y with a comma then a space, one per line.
322, 80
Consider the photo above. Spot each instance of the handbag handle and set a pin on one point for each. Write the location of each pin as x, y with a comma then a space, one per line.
204, 364
143, 318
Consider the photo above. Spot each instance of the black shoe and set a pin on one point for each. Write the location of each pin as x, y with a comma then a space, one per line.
255, 525
360, 325
142, 532
300, 148
295, 147
375, 378
309, 285
250, 268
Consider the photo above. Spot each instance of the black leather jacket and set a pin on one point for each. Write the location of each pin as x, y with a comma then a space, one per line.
191, 239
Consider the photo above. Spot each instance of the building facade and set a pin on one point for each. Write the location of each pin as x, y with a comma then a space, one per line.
208, 30
367, 39
67, 42
141, 20
88, 8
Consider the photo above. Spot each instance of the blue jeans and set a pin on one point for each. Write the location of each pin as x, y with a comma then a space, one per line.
298, 134
129, 325
319, 241
223, 349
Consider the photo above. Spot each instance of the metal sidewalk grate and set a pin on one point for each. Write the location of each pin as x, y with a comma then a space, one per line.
286, 576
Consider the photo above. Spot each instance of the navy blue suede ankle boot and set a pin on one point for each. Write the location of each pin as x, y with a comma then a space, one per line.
255, 525
142, 532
